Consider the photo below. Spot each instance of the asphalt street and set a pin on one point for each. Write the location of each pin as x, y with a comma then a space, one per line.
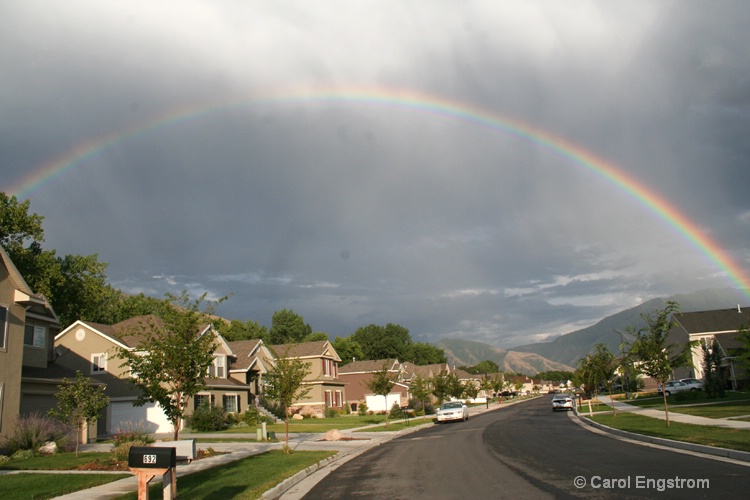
527, 451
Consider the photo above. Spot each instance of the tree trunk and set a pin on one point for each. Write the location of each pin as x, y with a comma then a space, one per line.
666, 407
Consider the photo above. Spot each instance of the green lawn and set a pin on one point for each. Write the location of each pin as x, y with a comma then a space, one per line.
736, 439
321, 425
244, 479
59, 461
717, 410
658, 401
38, 486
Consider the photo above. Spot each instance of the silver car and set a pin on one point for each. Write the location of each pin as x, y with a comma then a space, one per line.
692, 383
452, 410
562, 402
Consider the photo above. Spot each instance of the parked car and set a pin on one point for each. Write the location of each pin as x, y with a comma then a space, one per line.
562, 402
452, 410
693, 383
673, 387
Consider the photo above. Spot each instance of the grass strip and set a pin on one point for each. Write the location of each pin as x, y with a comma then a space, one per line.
39, 486
244, 479
720, 437
399, 426
58, 461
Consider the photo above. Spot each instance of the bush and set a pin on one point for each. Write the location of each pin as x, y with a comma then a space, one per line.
396, 411
208, 418
331, 412
251, 416
4, 458
130, 430
30, 432
362, 409
121, 451
24, 454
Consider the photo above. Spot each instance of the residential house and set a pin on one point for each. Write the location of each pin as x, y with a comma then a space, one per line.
92, 348
705, 326
252, 361
327, 390
28, 324
358, 373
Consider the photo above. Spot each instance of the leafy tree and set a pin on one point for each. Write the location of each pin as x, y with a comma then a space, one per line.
284, 383
483, 367
79, 403
389, 342
598, 368
442, 386
17, 226
742, 354
422, 353
239, 330
715, 379
381, 384
654, 355
288, 327
170, 363
421, 389
316, 337
348, 349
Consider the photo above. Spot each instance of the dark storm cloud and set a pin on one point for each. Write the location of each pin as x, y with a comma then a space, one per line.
353, 213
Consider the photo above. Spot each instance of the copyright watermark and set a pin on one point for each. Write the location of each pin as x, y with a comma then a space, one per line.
641, 483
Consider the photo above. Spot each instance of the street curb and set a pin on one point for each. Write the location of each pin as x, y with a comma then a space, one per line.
742, 456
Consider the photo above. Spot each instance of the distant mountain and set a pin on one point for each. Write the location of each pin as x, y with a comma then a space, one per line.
467, 353
567, 349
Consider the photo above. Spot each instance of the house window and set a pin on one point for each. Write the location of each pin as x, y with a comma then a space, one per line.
329, 401
231, 403
329, 368
216, 370
339, 399
2, 391
34, 336
200, 399
98, 363
3, 326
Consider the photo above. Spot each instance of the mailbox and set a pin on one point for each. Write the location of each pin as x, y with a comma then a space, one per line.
145, 457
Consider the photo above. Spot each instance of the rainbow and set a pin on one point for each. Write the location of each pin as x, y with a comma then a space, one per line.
557, 145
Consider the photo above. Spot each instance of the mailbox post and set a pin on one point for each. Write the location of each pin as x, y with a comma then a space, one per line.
148, 462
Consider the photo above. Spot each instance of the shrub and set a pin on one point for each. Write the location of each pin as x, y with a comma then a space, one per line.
362, 409
251, 416
121, 451
331, 412
30, 432
23, 454
130, 430
396, 411
208, 418
4, 458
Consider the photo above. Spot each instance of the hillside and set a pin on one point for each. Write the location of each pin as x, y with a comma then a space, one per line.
567, 349
467, 352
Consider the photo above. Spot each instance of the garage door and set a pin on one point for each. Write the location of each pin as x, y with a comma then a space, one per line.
151, 414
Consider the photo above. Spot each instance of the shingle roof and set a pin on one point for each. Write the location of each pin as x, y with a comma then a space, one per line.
15, 276
303, 350
243, 349
369, 366
715, 321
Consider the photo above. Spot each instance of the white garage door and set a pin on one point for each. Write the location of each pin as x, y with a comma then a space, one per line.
150, 414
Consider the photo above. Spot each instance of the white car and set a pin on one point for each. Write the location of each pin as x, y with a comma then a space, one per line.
562, 402
673, 387
452, 410
693, 384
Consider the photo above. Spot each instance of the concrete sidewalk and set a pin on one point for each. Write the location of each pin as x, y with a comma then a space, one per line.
673, 416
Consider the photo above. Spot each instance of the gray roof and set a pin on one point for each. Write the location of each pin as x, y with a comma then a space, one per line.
715, 321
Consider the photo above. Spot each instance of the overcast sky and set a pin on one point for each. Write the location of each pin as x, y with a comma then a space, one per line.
357, 211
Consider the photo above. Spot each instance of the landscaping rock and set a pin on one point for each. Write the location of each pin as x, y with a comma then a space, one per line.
297, 416
333, 435
49, 448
